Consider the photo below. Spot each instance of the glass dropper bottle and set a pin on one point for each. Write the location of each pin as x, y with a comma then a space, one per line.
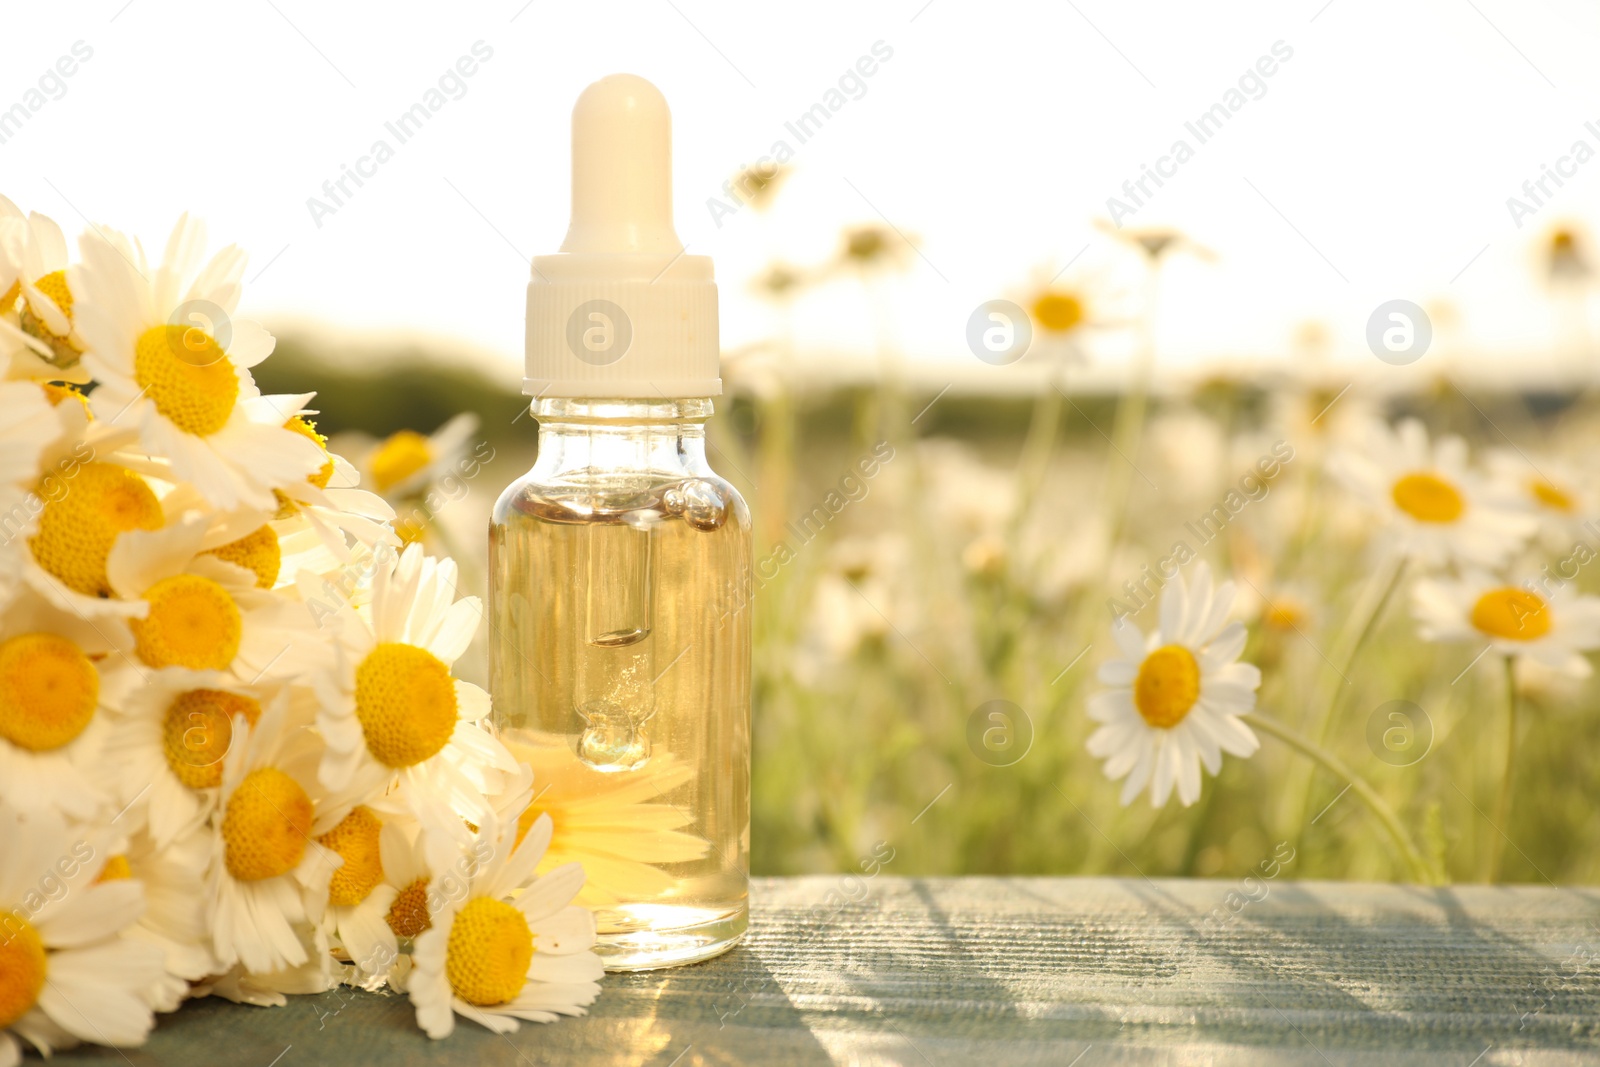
619, 565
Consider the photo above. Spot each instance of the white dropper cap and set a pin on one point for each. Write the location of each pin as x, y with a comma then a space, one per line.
621, 311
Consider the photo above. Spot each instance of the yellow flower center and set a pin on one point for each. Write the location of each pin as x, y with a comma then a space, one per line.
402, 455
198, 732
193, 623
306, 428
188, 377
22, 968
1428, 498
408, 915
81, 519
1057, 311
54, 286
489, 952
406, 701
410, 529
48, 691
9, 301
264, 830
257, 552
1552, 496
1283, 614
1167, 686
1511, 613
865, 243
356, 840
56, 392
117, 869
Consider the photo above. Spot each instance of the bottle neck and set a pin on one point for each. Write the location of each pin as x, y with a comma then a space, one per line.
583, 438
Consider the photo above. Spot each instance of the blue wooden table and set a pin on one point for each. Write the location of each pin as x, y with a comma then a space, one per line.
1002, 971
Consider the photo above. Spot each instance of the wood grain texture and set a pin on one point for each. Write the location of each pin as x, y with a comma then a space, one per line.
1001, 971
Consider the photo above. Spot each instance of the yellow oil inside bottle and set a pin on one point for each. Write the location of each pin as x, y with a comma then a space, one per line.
620, 671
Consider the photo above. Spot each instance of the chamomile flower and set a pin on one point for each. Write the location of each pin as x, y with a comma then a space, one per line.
267, 989
510, 945
1555, 491
392, 714
360, 896
1274, 605
19, 355
172, 361
37, 337
417, 864
1551, 627
56, 677
1058, 310
269, 876
45, 312
168, 991
1566, 256
867, 590
259, 551
245, 538
1065, 305
620, 831
329, 504
1316, 410
11, 216
407, 463
175, 919
169, 738
975, 502
28, 423
66, 973
79, 514
1436, 509
1177, 695
1154, 242
204, 612
410, 861
375, 931
173, 879
1288, 611
307, 532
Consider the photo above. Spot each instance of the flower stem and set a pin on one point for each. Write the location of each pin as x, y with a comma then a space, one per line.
1034, 462
1127, 433
1502, 803
1348, 659
1344, 659
1336, 767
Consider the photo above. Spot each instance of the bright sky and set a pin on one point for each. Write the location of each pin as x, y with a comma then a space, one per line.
1376, 165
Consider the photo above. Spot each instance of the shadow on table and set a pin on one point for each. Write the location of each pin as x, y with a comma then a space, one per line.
1335, 982
730, 1010
727, 1011
895, 983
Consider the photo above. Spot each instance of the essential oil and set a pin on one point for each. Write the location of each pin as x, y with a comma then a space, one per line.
620, 635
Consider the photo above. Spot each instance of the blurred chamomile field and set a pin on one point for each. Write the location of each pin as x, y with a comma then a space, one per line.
950, 561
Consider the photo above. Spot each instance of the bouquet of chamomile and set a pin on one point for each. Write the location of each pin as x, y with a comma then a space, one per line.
234, 758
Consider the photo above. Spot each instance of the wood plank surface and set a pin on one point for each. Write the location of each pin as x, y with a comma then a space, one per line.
1002, 971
